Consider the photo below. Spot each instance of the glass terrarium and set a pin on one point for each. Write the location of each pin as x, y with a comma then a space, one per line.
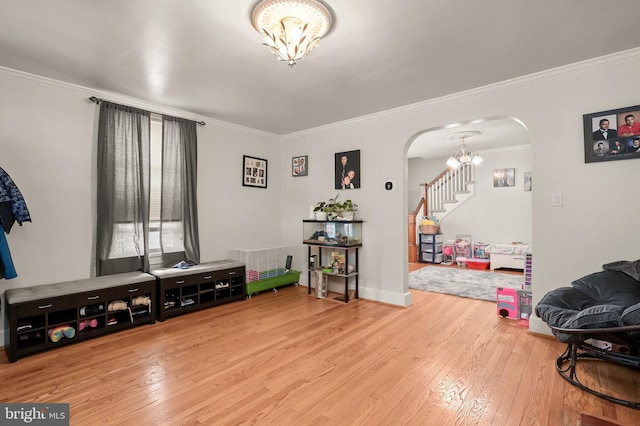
332, 233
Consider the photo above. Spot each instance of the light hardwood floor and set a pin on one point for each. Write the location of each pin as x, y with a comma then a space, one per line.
287, 358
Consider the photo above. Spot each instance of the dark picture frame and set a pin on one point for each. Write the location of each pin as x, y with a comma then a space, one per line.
300, 165
254, 171
347, 167
612, 135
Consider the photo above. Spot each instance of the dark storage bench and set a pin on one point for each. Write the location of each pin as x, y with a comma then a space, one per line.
198, 287
51, 315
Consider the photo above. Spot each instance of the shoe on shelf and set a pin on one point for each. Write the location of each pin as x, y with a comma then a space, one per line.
57, 333
92, 323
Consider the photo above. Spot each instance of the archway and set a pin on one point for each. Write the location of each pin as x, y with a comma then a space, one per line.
505, 141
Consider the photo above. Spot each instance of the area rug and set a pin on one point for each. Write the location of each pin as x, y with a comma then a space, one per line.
463, 282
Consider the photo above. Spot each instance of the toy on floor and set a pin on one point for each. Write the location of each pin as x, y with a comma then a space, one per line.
480, 251
507, 301
462, 249
448, 254
524, 307
57, 333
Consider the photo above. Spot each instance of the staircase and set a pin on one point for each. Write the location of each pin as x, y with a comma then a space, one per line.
448, 191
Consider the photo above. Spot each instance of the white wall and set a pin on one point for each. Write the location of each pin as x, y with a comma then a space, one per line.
497, 215
47, 145
419, 171
550, 105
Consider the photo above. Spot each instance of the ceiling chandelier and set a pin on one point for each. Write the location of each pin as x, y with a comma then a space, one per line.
463, 156
292, 28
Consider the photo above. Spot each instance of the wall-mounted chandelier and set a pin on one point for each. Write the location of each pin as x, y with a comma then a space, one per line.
292, 28
463, 156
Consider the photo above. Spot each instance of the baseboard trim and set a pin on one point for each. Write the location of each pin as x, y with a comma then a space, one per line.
398, 299
536, 325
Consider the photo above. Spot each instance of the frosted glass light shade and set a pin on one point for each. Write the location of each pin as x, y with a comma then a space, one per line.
292, 28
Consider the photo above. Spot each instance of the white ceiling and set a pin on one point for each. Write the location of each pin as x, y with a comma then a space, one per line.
205, 57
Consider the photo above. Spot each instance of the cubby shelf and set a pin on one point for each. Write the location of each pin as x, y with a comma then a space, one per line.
53, 315
180, 291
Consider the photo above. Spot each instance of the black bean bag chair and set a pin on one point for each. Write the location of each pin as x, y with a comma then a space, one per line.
599, 319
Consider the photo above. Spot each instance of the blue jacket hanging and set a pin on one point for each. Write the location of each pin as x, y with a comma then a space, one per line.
12, 205
6, 263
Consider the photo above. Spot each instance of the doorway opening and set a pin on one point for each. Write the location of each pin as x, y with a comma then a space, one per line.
489, 214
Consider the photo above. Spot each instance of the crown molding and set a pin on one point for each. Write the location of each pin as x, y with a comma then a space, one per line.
626, 56
86, 92
631, 55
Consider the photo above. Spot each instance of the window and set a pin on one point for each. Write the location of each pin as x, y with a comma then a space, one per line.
155, 186
147, 190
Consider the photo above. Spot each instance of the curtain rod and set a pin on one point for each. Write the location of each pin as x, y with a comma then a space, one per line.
98, 100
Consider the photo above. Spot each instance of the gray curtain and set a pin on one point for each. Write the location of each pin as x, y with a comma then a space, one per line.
122, 234
179, 205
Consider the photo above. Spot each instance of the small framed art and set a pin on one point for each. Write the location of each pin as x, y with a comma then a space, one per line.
527, 181
299, 165
504, 177
254, 171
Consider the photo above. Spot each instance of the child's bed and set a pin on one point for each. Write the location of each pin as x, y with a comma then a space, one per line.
511, 255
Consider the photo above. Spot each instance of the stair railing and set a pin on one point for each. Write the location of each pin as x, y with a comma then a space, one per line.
445, 186
435, 194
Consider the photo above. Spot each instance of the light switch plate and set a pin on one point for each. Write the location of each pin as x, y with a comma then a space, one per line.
556, 199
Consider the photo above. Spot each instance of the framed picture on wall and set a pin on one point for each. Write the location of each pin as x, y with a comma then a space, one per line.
527, 181
254, 171
347, 166
504, 177
612, 135
299, 165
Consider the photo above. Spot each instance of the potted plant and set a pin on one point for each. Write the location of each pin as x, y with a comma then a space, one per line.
328, 210
320, 212
349, 209
332, 207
